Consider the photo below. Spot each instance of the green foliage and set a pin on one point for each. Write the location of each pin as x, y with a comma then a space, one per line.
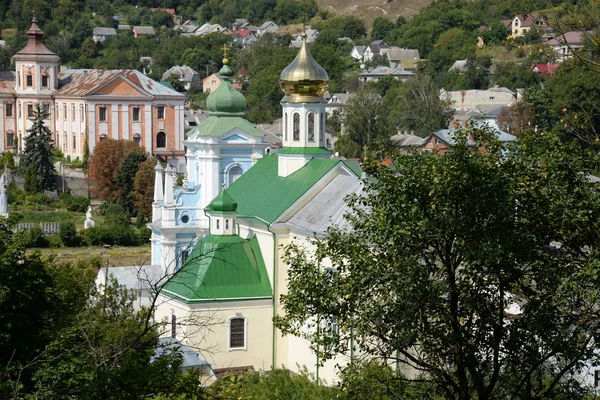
34, 237
290, 11
9, 160
74, 203
347, 26
516, 75
68, 234
280, 384
416, 107
465, 278
381, 28
37, 156
128, 167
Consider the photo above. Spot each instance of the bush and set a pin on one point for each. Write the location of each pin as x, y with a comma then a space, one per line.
79, 204
53, 241
116, 214
38, 198
9, 160
143, 235
68, 234
15, 195
34, 237
112, 234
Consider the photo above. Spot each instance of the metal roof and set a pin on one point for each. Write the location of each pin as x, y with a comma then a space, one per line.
261, 193
104, 31
144, 30
221, 267
217, 126
84, 82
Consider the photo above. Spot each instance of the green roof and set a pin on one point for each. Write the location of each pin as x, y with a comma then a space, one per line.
261, 193
223, 202
303, 150
221, 268
219, 125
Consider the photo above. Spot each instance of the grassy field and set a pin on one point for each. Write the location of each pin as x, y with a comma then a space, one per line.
115, 255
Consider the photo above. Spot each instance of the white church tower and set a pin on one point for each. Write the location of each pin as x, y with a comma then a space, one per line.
303, 81
219, 150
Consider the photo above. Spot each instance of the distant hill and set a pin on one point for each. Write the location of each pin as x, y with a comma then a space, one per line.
368, 10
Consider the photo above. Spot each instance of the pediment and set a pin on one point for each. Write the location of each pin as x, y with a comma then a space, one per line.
119, 87
234, 136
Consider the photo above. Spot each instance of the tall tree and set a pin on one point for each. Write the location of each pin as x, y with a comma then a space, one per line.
37, 155
104, 167
416, 107
143, 189
479, 269
363, 122
128, 168
381, 28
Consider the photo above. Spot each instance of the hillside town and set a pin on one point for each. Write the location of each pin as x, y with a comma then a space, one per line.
267, 199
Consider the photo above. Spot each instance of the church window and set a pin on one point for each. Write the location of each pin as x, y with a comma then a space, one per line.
285, 126
65, 142
81, 111
234, 173
19, 109
184, 256
102, 114
29, 110
29, 80
10, 139
311, 127
237, 333
217, 223
296, 123
46, 109
9, 110
73, 114
185, 218
136, 114
137, 140
74, 142
160, 112
161, 140
226, 224
45, 81
173, 325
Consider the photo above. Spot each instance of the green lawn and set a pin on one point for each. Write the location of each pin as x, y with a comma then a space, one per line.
114, 255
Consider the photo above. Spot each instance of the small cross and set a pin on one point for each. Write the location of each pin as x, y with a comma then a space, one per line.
225, 49
223, 180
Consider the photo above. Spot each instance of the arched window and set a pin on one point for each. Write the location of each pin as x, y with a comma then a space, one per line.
296, 120
217, 224
173, 325
237, 333
285, 126
161, 140
226, 224
234, 173
311, 127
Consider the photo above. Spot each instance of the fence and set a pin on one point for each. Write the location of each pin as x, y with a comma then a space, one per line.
48, 228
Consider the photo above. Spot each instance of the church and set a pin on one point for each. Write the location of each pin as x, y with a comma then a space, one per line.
222, 233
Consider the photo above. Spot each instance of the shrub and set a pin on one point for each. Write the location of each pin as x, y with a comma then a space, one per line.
79, 204
34, 237
112, 234
68, 234
53, 241
114, 213
15, 195
143, 235
9, 160
38, 198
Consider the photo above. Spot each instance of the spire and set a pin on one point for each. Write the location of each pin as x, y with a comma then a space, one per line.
169, 199
226, 101
158, 182
35, 48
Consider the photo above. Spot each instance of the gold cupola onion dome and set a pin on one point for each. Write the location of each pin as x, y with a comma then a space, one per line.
304, 80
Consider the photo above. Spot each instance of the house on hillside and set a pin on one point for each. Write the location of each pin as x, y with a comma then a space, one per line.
337, 102
544, 69
311, 36
244, 37
375, 48
100, 34
397, 56
187, 27
140, 31
267, 27
568, 43
211, 83
188, 77
171, 11
471, 99
521, 23
375, 74
442, 140
358, 52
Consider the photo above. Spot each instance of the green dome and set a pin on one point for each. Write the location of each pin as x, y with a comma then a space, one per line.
223, 203
226, 100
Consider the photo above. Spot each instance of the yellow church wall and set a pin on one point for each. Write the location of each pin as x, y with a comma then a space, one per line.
206, 327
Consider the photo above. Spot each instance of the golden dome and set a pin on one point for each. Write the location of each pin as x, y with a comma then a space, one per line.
304, 80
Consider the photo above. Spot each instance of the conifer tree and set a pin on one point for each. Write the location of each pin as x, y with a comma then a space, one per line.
37, 155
